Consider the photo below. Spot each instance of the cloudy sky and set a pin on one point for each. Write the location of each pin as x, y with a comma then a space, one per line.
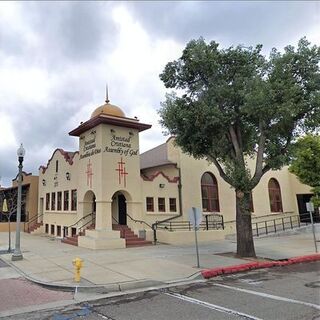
56, 57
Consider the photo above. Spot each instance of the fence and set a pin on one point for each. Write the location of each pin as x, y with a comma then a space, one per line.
211, 222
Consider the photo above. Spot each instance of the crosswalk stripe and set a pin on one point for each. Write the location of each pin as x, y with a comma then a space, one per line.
270, 296
212, 306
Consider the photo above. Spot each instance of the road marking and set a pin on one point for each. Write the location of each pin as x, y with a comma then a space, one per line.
270, 296
212, 306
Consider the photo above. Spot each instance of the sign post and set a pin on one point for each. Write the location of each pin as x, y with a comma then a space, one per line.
310, 208
195, 218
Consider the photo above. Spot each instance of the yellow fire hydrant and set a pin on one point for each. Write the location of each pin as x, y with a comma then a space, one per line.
78, 264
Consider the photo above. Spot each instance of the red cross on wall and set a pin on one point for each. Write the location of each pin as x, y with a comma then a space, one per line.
122, 172
89, 174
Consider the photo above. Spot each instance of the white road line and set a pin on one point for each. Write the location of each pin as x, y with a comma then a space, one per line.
270, 296
212, 306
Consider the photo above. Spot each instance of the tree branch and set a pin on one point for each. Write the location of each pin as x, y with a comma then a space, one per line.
235, 143
259, 160
223, 175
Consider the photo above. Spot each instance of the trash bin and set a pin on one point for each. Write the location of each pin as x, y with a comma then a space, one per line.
142, 234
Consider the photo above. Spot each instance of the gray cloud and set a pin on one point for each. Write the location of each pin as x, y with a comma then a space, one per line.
71, 43
232, 22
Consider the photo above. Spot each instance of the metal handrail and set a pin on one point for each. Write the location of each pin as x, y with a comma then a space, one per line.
280, 224
139, 221
114, 219
35, 218
76, 223
186, 225
80, 229
271, 215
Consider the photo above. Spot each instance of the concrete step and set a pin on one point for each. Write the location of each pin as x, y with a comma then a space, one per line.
35, 226
71, 240
132, 240
38, 230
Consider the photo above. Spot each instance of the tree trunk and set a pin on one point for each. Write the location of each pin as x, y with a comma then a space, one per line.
245, 245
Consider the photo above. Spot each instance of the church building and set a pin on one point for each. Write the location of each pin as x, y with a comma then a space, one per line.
108, 195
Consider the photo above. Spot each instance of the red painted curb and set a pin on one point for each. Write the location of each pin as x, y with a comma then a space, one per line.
210, 273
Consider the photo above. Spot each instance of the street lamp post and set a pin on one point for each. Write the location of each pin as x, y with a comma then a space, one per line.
17, 255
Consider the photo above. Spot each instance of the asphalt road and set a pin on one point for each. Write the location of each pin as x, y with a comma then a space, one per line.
283, 293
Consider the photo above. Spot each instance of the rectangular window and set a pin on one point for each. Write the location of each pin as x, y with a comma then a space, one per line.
66, 200
73, 200
47, 201
161, 205
150, 205
59, 201
53, 201
173, 204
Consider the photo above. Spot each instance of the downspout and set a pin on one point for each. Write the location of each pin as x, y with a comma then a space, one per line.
180, 194
154, 225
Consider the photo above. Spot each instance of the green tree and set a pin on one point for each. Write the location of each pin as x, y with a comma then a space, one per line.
232, 104
306, 163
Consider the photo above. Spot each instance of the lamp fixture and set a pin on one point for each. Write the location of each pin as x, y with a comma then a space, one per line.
131, 133
68, 176
161, 185
112, 131
21, 151
43, 182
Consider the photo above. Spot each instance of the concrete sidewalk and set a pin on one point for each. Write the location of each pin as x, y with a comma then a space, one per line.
48, 261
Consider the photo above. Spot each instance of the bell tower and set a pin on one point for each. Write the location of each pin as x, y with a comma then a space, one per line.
109, 169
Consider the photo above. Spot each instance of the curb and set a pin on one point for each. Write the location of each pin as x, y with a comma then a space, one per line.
210, 273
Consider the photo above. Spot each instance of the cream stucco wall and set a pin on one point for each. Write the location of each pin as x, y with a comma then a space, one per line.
51, 181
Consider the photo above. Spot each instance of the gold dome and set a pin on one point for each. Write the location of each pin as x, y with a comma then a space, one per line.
109, 110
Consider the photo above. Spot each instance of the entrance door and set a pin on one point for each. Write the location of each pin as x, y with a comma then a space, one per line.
122, 209
302, 200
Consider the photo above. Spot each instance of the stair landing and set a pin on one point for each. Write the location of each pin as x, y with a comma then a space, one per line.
131, 239
126, 233
35, 227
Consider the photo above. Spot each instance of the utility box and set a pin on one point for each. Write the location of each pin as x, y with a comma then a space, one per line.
142, 234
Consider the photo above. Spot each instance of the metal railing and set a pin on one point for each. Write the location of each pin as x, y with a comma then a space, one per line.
211, 222
275, 225
88, 223
33, 220
139, 221
75, 225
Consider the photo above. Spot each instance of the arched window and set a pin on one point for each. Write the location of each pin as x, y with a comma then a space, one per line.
209, 193
275, 196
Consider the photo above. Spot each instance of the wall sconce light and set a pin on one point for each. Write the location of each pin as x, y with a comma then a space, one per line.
55, 177
112, 131
68, 176
131, 133
43, 182
161, 185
